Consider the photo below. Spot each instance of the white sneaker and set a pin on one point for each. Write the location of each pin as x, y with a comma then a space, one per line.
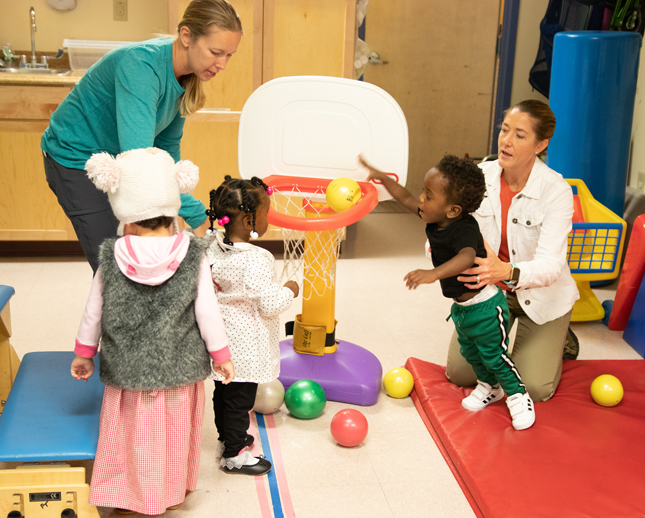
482, 396
521, 408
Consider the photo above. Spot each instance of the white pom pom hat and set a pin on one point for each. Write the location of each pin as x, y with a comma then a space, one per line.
142, 183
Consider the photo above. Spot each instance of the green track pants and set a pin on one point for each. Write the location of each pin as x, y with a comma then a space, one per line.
482, 331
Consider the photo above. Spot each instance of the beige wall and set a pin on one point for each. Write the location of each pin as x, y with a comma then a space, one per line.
91, 20
528, 39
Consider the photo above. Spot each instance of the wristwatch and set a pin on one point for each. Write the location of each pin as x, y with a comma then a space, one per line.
515, 276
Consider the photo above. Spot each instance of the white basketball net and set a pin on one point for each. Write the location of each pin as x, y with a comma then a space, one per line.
309, 256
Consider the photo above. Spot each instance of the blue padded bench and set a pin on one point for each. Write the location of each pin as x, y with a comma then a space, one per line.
6, 292
49, 416
9, 361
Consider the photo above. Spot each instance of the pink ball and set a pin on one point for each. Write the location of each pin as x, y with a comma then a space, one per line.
349, 427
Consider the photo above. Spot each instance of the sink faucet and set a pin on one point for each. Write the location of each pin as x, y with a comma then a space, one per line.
32, 15
43, 59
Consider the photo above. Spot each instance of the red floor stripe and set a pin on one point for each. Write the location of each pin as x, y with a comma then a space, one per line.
265, 506
278, 466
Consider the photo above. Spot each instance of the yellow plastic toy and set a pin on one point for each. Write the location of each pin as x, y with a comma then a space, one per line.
607, 390
398, 382
342, 193
594, 251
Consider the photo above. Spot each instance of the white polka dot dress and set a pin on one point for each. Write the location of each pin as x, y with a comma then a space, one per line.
251, 301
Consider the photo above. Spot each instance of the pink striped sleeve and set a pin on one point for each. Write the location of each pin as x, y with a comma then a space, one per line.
86, 351
209, 319
221, 356
89, 330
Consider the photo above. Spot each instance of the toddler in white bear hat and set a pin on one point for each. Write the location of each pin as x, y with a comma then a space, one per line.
153, 308
142, 183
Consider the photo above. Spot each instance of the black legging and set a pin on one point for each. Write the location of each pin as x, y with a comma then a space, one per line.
232, 404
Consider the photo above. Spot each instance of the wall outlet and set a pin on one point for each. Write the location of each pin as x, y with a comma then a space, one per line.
640, 185
120, 10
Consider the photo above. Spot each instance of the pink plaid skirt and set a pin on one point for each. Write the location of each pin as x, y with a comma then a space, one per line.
148, 451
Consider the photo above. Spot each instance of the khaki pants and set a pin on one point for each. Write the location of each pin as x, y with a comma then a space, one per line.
536, 351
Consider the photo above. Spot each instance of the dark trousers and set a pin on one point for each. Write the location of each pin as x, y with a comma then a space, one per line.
87, 208
232, 404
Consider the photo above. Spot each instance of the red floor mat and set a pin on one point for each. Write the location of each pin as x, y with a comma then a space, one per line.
578, 460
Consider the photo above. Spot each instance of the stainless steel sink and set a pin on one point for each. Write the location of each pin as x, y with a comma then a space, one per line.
36, 71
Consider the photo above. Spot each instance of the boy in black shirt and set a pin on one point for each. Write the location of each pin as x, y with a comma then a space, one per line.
452, 191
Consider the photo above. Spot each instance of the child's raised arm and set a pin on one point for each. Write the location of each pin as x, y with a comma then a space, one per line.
398, 192
462, 261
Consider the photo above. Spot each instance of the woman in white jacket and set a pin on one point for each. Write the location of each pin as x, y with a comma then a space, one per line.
525, 219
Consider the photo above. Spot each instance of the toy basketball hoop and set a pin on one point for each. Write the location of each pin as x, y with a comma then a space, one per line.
303, 132
312, 234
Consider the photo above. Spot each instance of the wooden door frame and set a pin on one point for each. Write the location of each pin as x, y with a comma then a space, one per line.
506, 50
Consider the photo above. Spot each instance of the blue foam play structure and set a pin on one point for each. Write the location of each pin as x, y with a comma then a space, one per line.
593, 87
634, 333
50, 416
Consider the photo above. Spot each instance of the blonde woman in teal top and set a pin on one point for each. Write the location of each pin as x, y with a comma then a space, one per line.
136, 96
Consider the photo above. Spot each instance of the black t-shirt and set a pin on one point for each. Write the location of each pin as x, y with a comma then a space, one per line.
448, 242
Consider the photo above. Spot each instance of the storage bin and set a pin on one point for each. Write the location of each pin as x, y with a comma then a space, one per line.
84, 53
594, 251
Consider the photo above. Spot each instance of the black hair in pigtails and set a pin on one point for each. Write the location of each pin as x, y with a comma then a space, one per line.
211, 212
233, 197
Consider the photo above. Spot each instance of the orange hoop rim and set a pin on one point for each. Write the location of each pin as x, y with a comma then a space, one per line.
365, 205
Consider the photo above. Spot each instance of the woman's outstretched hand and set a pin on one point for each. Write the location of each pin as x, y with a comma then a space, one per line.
489, 270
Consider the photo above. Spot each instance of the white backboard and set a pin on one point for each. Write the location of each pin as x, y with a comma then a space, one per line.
316, 126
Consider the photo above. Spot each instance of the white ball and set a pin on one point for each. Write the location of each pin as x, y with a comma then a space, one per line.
269, 397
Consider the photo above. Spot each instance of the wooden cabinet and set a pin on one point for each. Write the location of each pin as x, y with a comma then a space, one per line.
281, 38
29, 210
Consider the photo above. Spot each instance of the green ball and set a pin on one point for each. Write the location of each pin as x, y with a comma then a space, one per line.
305, 399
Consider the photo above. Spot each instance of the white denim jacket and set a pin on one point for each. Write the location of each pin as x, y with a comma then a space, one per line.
539, 220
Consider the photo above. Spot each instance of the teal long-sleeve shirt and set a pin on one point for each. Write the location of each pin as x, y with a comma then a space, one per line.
127, 100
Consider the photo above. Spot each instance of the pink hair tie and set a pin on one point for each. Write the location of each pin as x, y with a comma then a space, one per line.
223, 221
269, 191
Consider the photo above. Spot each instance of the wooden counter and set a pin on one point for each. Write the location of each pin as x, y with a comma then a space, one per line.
29, 211
69, 80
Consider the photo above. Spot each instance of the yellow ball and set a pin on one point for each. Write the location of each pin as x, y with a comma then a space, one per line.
398, 382
342, 193
607, 390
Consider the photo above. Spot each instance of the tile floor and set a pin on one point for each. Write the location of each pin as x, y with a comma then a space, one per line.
397, 472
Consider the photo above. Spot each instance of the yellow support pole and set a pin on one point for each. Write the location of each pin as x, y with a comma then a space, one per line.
318, 298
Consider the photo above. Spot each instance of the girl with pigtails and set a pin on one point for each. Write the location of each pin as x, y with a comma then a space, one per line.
154, 311
250, 302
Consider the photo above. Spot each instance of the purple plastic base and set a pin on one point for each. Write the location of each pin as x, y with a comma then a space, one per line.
350, 375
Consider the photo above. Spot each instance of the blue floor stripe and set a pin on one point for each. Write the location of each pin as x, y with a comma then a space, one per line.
273, 481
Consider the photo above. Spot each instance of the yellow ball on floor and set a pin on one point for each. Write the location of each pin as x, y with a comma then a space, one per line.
607, 390
398, 382
342, 193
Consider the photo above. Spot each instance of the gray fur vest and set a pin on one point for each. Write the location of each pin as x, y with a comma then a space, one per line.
149, 334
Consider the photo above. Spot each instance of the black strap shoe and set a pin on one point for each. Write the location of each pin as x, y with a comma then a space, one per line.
262, 467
